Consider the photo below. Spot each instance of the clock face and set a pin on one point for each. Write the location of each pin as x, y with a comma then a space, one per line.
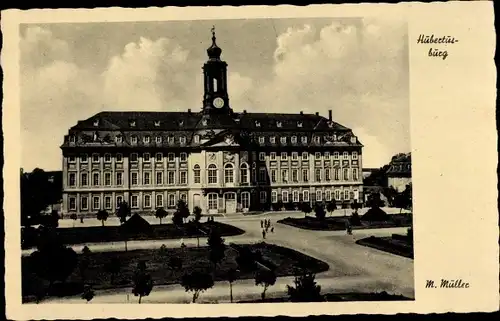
218, 102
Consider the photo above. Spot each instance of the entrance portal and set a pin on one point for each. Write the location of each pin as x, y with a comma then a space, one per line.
230, 202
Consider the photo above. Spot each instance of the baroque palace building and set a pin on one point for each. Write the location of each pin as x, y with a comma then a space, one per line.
220, 160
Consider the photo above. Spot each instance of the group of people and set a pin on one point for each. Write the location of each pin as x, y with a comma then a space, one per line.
265, 225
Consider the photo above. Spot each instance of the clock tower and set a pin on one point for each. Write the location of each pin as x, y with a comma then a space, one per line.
215, 98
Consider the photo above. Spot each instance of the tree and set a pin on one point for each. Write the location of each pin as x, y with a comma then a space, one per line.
143, 283
177, 219
305, 289
182, 210
197, 213
50, 221
161, 213
216, 246
102, 215
306, 208
319, 211
331, 206
231, 276
197, 282
74, 217
175, 263
84, 263
391, 194
355, 206
123, 211
374, 200
88, 293
113, 268
265, 278
35, 195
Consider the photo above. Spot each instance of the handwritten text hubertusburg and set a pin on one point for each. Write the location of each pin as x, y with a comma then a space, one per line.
432, 39
450, 284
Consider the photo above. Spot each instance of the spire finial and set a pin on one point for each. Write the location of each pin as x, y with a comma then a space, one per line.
213, 34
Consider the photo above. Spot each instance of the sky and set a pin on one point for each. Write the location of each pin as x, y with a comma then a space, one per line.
357, 67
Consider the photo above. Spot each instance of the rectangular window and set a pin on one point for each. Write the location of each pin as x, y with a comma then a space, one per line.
171, 157
284, 196
72, 159
335, 155
354, 174
170, 177
337, 174
159, 178
319, 196
197, 176
146, 139
95, 179
107, 158
184, 177
327, 155
283, 140
107, 202
284, 156
262, 156
273, 176
158, 139
118, 139
346, 195
305, 175
317, 139
273, 156
171, 200
170, 139
295, 156
182, 140
119, 179
134, 139
304, 139
294, 139
272, 140
295, 175
96, 203
345, 155
305, 155
107, 179
354, 155
318, 175
95, 158
72, 179
262, 174
274, 197
135, 201
146, 157
295, 196
159, 200
327, 174
85, 179
284, 176
317, 155
147, 178
159, 157
72, 204
135, 178
133, 157
346, 174
328, 195
212, 201
119, 200
147, 201
263, 196
337, 195
84, 158
119, 158
84, 200
183, 197
261, 140
305, 196
183, 157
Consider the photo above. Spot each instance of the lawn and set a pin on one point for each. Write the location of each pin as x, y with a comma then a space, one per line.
343, 297
339, 223
96, 234
395, 244
163, 271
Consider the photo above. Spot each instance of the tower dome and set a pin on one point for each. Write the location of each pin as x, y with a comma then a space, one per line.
214, 51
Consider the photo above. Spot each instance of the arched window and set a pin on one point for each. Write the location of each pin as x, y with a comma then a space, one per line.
244, 173
228, 173
212, 174
197, 176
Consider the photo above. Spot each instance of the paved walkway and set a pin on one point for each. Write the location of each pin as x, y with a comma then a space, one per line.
352, 267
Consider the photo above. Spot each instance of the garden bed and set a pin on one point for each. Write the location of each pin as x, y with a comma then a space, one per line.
162, 271
338, 223
97, 234
395, 245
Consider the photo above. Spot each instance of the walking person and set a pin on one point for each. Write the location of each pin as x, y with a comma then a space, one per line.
261, 224
263, 234
272, 229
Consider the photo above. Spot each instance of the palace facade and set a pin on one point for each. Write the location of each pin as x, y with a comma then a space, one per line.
220, 160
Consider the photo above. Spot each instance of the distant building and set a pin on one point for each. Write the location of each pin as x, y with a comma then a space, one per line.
399, 172
368, 171
217, 159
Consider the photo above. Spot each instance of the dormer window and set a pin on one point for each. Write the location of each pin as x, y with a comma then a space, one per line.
330, 124
196, 139
261, 140
353, 140
157, 123
132, 123
257, 123
204, 122
304, 139
146, 139
278, 124
283, 140
272, 140
170, 139
158, 139
118, 139
72, 139
133, 139
317, 139
182, 140
294, 139
299, 124
334, 137
96, 122
181, 123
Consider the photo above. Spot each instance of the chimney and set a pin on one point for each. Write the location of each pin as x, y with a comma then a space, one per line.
189, 111
329, 114
317, 114
244, 112
301, 112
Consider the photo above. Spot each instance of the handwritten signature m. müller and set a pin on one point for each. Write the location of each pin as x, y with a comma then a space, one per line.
450, 284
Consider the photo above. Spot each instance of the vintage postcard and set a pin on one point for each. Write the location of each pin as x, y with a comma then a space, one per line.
254, 161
